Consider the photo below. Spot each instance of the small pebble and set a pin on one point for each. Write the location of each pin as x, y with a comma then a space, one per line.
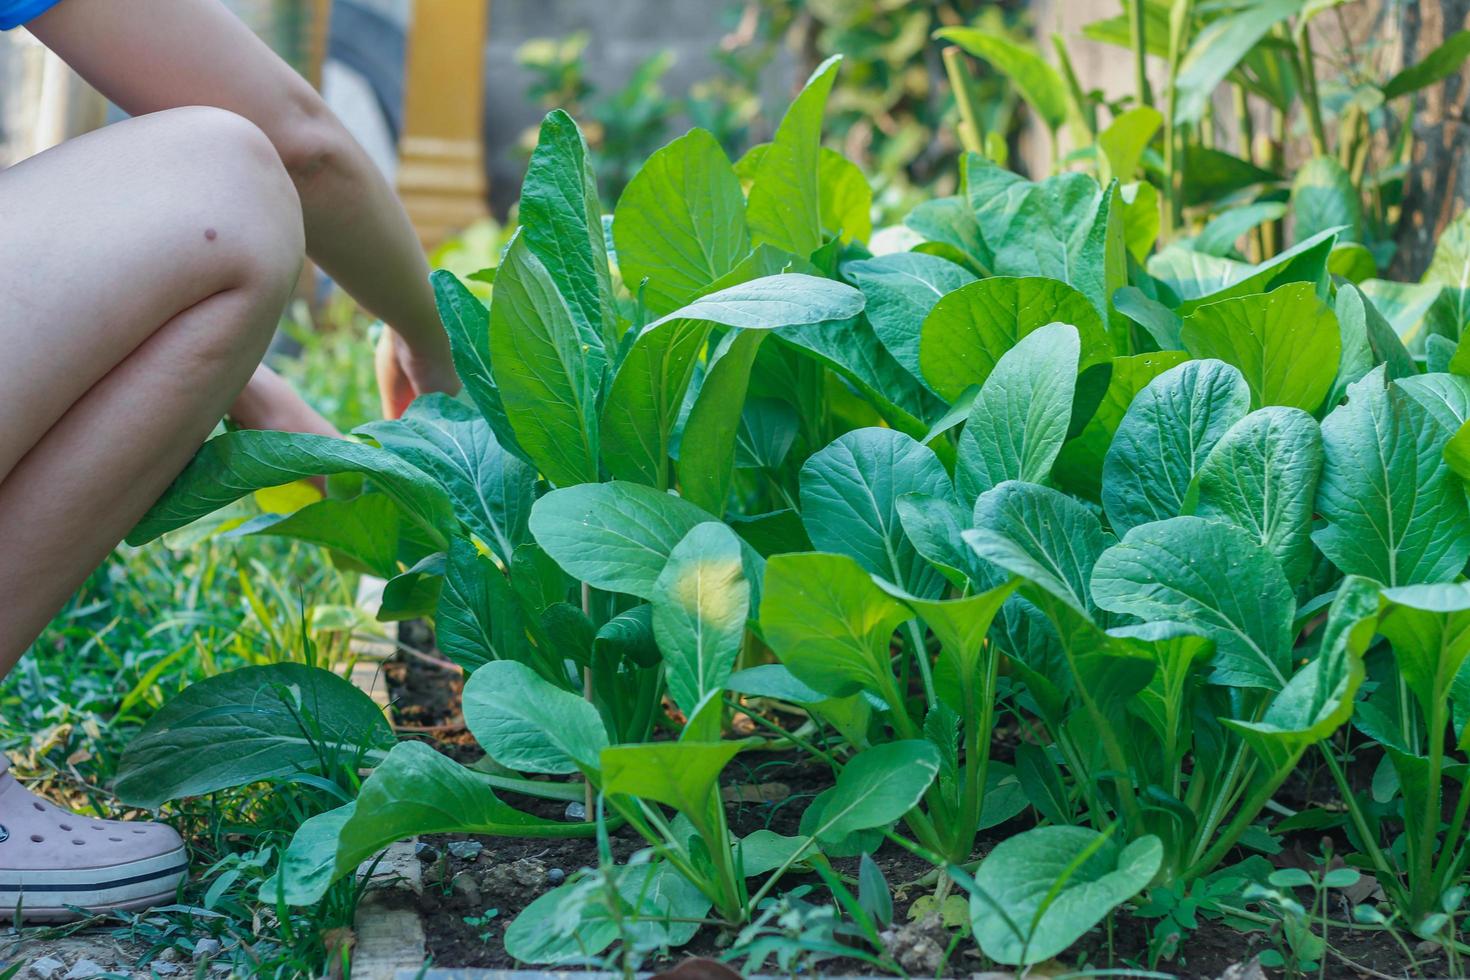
169, 954
576, 811
556, 876
424, 852
468, 888
85, 969
467, 850
164, 969
47, 967
205, 948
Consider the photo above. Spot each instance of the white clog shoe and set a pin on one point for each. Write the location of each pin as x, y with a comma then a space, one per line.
52, 860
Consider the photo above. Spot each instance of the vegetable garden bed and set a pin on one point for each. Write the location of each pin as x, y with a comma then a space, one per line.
1081, 574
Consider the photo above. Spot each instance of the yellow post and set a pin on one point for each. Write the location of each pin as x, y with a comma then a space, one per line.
441, 174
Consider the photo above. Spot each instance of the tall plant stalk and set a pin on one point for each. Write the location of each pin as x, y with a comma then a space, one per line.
1180, 15
1138, 35
1306, 61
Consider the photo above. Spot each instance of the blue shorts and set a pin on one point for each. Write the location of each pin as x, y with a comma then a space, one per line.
14, 13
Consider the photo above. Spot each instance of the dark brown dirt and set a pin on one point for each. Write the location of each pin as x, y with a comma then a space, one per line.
507, 874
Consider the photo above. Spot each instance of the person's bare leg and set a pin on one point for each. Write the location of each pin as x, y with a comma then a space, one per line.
142, 271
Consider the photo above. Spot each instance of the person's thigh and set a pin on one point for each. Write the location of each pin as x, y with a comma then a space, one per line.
107, 237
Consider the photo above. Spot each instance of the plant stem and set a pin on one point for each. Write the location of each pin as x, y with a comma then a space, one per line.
1308, 65
791, 737
1138, 35
588, 796
921, 658
959, 83
1386, 874
1422, 892
1180, 14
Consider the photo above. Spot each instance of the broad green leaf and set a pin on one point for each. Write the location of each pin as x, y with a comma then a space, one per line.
960, 626
1043, 536
1178, 653
1367, 341
1429, 627
1323, 197
413, 594
680, 222
771, 302
1404, 305
1393, 510
364, 528
547, 383
491, 489
1226, 228
1079, 466
571, 923
934, 523
829, 623
784, 207
235, 464
1217, 48
1319, 698
1123, 142
1158, 321
877, 787
1038, 83
415, 790
1141, 219
851, 348
1193, 274
618, 536
766, 434
845, 200
772, 533
773, 681
1439, 64
1285, 343
1037, 893
649, 388
1212, 175
1065, 227
628, 637
1444, 396
701, 601
1262, 477
467, 322
1198, 279
683, 775
1210, 576
901, 289
477, 619
1164, 437
645, 398
765, 850
530, 725
1450, 264
849, 502
966, 333
1020, 418
1352, 261
561, 224
707, 445
247, 726
951, 221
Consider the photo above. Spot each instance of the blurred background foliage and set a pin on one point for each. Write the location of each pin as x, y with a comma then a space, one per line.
892, 112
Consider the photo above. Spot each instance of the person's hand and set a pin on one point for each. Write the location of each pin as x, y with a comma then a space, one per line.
404, 374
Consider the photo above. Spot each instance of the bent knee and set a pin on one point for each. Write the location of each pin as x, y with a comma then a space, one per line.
250, 211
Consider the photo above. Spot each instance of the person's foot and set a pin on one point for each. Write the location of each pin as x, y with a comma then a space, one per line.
52, 861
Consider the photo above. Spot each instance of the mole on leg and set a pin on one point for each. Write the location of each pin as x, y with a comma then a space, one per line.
210, 234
